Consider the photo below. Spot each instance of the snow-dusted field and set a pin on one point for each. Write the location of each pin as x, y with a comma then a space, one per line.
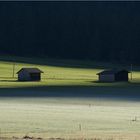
69, 117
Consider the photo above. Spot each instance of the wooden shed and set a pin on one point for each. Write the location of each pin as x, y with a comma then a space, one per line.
29, 74
113, 75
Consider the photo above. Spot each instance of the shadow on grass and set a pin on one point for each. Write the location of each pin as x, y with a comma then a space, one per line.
114, 82
113, 92
8, 80
99, 82
68, 63
121, 83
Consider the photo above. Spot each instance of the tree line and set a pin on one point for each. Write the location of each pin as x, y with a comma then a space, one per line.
103, 31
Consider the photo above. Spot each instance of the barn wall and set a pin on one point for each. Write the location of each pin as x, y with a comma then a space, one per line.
122, 76
107, 78
35, 76
23, 76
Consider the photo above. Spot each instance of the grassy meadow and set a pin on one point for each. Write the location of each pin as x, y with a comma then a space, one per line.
58, 72
68, 103
69, 118
53, 75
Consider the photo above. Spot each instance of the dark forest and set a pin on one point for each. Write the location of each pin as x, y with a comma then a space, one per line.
101, 31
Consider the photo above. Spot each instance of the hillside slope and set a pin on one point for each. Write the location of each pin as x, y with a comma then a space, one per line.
58, 72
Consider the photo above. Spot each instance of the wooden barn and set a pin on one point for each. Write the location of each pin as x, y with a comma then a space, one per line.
29, 74
113, 75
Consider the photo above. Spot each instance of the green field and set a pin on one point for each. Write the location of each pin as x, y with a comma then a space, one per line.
53, 75
58, 72
68, 102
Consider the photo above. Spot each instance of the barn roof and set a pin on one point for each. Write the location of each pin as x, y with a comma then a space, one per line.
30, 70
113, 71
